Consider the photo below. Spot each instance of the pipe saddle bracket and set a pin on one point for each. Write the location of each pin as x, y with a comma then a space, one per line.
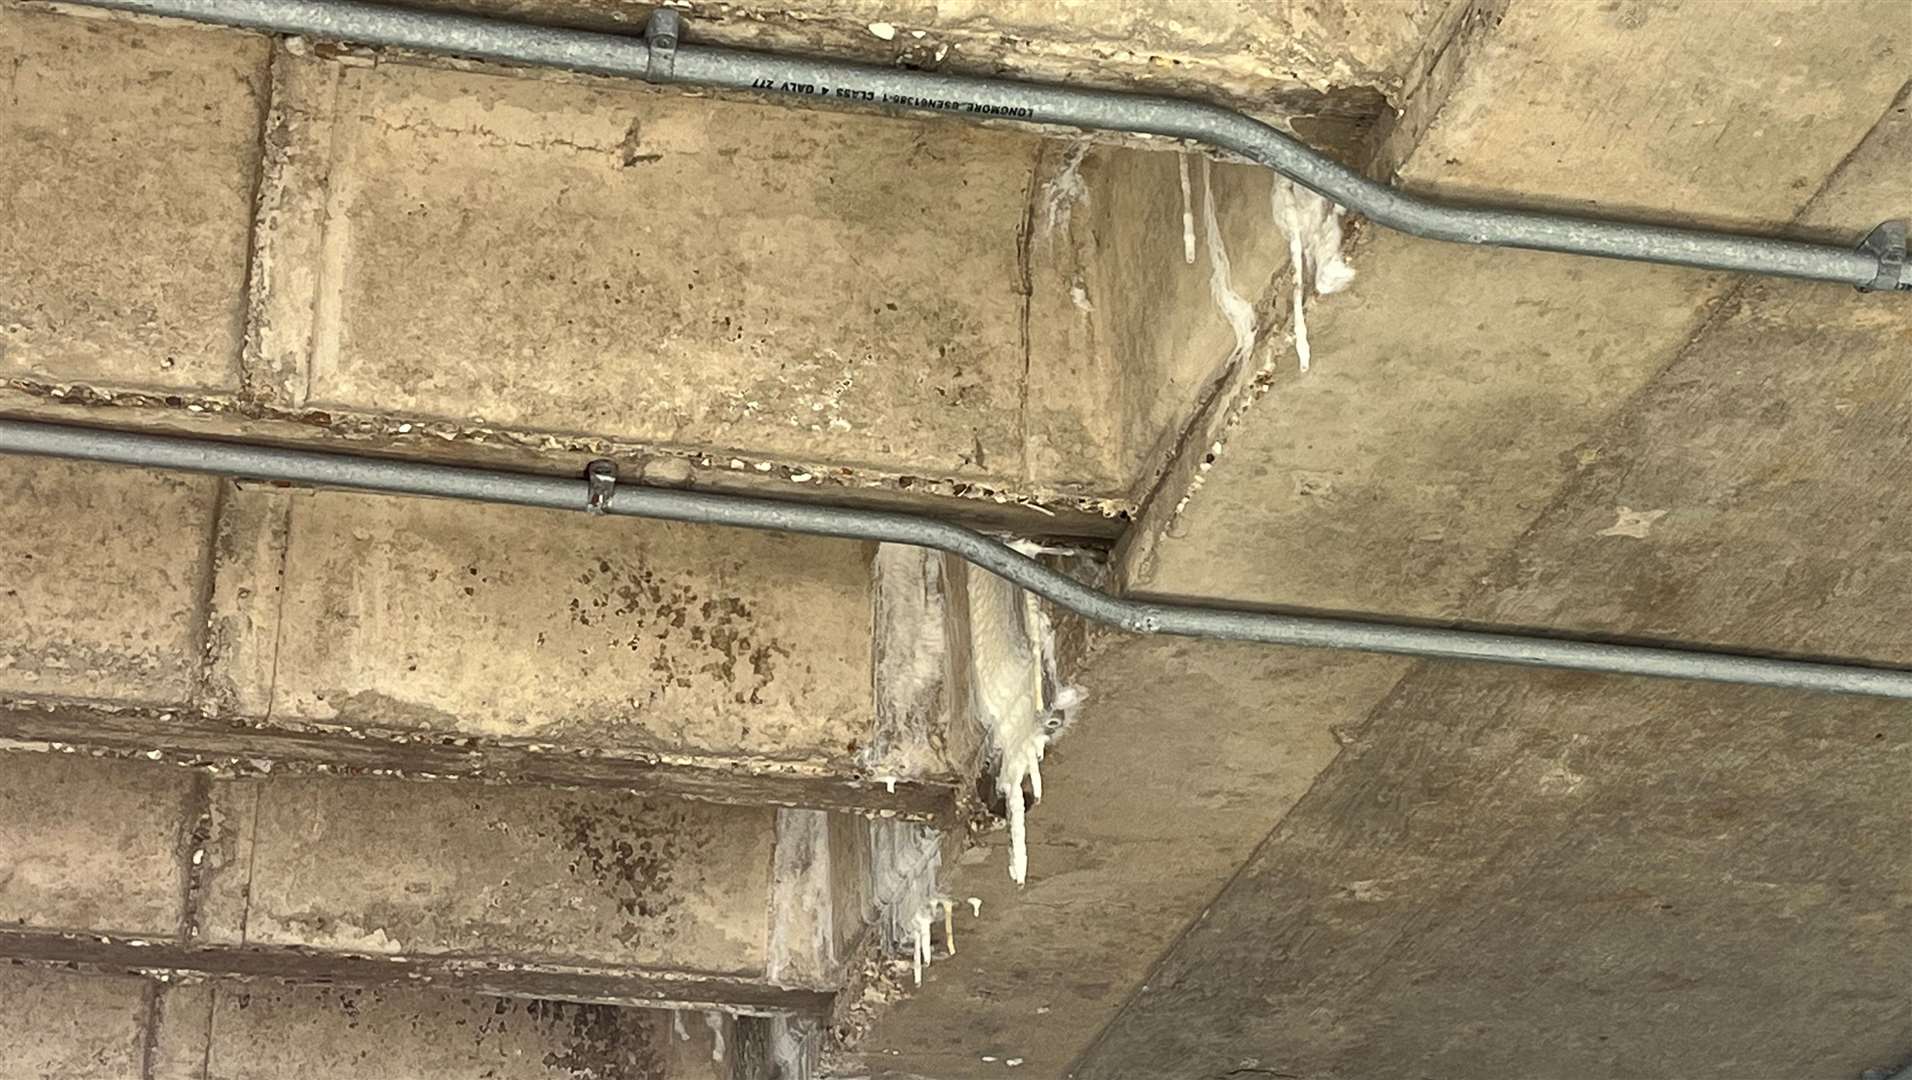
660, 38
1887, 242
600, 481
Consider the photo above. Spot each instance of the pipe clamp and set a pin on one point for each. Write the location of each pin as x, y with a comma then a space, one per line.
1888, 243
661, 35
600, 480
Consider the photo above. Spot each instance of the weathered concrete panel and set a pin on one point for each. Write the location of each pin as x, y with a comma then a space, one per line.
1686, 124
533, 873
1453, 387
111, 272
1399, 464
63, 1025
557, 256
92, 845
1497, 849
102, 574
633, 635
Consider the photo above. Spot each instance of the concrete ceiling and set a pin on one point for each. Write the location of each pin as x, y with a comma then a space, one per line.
1255, 862
1306, 865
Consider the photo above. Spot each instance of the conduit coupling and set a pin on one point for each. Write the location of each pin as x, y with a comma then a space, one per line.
599, 493
1878, 264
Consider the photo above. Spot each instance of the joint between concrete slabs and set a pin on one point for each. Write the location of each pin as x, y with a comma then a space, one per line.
1040, 513
586, 985
249, 750
195, 829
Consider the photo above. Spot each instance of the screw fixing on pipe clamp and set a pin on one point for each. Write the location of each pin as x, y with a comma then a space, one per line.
1888, 243
600, 479
661, 34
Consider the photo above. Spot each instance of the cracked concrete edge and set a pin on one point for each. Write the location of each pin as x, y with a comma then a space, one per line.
871, 973
925, 729
800, 926
287, 229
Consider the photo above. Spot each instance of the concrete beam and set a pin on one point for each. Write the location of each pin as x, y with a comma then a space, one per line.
246, 628
84, 1026
519, 267
524, 892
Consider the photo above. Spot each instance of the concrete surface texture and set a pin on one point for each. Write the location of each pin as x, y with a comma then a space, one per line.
95, 1027
652, 748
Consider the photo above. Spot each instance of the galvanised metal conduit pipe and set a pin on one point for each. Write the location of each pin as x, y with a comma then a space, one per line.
598, 492
1877, 264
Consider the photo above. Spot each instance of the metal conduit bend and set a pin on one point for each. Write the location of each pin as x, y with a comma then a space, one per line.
599, 493
1877, 264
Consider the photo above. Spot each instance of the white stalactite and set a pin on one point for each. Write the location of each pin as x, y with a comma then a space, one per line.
923, 954
1020, 697
1188, 212
906, 859
1063, 191
1312, 225
1234, 307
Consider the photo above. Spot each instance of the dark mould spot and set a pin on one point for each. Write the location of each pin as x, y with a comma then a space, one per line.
602, 1042
638, 605
632, 848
